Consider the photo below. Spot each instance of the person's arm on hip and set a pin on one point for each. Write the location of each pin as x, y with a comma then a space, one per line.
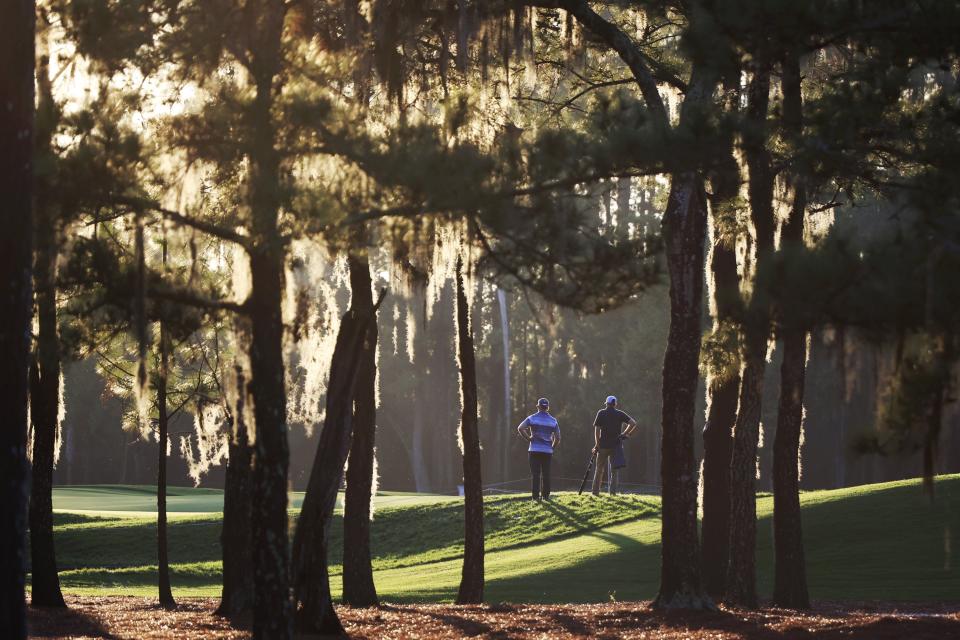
524, 430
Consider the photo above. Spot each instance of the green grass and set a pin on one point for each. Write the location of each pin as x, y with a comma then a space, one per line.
127, 500
875, 542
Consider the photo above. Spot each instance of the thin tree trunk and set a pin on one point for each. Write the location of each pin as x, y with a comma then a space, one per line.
45, 378
684, 230
422, 478
723, 388
315, 612
16, 242
741, 588
358, 586
272, 618
471, 580
163, 426
790, 573
507, 411
236, 536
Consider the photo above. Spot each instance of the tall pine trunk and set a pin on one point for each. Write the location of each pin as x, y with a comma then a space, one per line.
16, 243
45, 376
311, 583
44, 409
272, 605
790, 573
272, 616
471, 580
358, 586
163, 427
723, 385
236, 539
684, 230
741, 588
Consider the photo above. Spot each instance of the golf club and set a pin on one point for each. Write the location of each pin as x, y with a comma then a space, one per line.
583, 483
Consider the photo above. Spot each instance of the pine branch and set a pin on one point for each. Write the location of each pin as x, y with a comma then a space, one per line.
209, 228
190, 299
620, 42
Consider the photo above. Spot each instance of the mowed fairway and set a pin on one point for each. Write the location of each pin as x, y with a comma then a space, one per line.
878, 542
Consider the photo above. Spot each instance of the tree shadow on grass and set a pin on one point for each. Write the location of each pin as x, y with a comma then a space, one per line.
45, 622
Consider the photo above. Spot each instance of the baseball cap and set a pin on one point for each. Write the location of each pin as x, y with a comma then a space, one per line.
611, 399
543, 402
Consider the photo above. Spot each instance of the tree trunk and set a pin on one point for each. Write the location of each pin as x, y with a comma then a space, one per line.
315, 612
722, 389
16, 219
272, 616
507, 411
422, 478
741, 588
358, 586
163, 426
272, 606
471, 580
45, 377
790, 574
684, 229
236, 536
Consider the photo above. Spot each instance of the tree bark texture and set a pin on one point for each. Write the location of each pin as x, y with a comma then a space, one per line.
315, 612
790, 577
723, 389
272, 617
272, 609
44, 409
790, 573
16, 243
45, 376
359, 589
741, 588
236, 536
163, 427
471, 579
684, 230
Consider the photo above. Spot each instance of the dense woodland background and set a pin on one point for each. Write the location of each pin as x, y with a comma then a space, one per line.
574, 359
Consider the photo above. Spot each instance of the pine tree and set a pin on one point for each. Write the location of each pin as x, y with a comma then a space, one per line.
472, 578
45, 378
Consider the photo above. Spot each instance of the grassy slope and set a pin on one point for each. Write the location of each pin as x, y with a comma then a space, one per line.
876, 542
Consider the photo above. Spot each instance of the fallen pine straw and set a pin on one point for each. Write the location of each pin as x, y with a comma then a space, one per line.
142, 618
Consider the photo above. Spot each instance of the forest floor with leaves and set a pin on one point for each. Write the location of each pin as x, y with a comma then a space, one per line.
122, 617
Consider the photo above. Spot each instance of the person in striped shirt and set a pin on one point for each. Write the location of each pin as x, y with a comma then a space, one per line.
542, 431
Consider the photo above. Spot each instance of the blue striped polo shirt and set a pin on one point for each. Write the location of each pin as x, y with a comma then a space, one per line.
542, 426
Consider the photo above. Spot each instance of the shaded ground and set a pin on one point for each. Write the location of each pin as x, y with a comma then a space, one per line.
132, 617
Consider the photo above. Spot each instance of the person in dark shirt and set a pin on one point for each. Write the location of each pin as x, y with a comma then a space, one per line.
608, 431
